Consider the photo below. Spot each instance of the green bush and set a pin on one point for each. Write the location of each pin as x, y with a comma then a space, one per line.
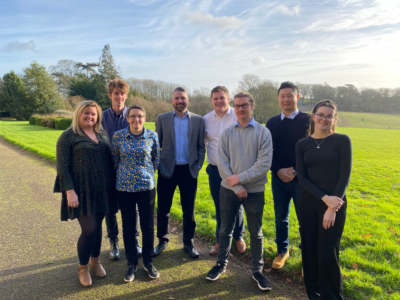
32, 120
44, 122
51, 123
63, 124
38, 121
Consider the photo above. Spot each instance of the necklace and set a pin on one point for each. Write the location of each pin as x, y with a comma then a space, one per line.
318, 145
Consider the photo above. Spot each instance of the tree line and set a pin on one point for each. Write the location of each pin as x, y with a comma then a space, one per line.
38, 90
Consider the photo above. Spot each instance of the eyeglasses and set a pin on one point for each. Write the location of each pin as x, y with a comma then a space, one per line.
328, 118
135, 117
244, 106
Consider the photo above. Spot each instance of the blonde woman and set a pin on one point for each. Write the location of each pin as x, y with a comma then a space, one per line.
323, 162
85, 177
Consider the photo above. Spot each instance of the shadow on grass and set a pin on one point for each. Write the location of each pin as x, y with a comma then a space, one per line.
179, 279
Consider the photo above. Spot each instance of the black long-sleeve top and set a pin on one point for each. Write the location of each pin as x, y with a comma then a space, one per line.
324, 171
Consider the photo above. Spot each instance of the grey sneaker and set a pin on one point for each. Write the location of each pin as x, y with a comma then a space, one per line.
153, 273
215, 272
263, 282
130, 274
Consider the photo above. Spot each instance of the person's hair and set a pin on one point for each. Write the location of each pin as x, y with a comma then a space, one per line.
117, 83
288, 85
179, 89
218, 89
244, 94
135, 106
326, 103
76, 127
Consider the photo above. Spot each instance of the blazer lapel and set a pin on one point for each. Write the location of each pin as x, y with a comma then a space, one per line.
190, 127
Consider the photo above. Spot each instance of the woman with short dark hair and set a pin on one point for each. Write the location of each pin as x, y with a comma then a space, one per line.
136, 154
324, 160
86, 179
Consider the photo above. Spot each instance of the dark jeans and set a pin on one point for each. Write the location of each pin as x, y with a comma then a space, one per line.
112, 226
129, 202
165, 193
282, 193
253, 206
320, 248
214, 181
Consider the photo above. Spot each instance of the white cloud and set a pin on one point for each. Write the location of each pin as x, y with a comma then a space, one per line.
17, 46
289, 11
219, 22
258, 60
223, 3
301, 44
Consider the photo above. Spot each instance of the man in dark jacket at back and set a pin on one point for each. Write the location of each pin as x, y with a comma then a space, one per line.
114, 119
286, 129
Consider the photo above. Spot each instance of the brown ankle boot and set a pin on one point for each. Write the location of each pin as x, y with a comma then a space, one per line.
97, 267
84, 275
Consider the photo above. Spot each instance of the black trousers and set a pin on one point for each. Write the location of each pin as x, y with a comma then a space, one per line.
144, 201
165, 193
112, 226
320, 248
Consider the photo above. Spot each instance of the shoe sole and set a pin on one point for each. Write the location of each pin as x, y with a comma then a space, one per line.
214, 279
260, 287
149, 273
126, 280
196, 256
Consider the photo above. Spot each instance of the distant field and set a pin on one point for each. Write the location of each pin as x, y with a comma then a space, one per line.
369, 120
371, 241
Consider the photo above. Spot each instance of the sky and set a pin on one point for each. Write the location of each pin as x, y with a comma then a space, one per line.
206, 43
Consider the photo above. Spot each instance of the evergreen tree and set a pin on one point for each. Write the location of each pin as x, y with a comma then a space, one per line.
41, 89
14, 97
108, 68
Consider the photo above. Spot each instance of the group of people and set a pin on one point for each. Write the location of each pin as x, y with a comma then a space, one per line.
107, 161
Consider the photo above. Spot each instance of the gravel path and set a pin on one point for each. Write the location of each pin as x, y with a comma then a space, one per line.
39, 260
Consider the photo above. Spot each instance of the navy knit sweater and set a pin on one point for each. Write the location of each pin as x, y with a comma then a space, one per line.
285, 135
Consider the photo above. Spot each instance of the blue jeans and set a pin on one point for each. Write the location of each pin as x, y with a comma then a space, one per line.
214, 181
254, 207
282, 193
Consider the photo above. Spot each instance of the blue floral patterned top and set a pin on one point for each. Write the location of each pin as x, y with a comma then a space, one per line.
136, 158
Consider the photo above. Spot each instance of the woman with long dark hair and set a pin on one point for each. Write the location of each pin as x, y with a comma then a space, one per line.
324, 160
86, 179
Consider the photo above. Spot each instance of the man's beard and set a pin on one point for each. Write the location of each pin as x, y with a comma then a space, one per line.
180, 107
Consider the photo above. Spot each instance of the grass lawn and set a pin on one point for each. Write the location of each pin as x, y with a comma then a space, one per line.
369, 120
371, 240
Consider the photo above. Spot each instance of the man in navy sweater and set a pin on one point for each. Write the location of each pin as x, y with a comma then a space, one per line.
286, 129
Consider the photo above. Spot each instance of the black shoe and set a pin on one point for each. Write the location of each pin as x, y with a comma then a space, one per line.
160, 248
130, 274
215, 272
263, 282
138, 249
114, 250
191, 251
153, 273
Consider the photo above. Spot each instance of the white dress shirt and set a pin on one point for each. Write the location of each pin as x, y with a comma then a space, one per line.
291, 116
215, 125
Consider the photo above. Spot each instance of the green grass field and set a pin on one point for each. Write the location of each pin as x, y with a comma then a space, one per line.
369, 120
371, 240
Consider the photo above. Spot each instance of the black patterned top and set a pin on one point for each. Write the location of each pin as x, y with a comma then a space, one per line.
86, 167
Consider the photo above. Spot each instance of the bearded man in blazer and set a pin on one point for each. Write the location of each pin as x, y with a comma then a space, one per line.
181, 136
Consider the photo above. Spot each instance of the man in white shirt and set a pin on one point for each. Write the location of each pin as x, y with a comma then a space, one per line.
222, 117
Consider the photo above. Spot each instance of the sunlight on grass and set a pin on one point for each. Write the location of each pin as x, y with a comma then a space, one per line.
371, 239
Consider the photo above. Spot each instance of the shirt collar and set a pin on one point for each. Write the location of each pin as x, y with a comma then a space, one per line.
251, 123
291, 116
175, 114
128, 134
124, 112
228, 112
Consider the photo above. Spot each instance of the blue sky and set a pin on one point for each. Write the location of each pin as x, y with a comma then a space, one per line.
207, 43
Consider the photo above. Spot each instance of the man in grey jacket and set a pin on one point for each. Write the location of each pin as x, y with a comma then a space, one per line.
245, 156
181, 136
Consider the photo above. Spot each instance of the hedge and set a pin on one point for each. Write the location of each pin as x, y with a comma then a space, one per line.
51, 123
32, 120
38, 121
5, 114
62, 124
